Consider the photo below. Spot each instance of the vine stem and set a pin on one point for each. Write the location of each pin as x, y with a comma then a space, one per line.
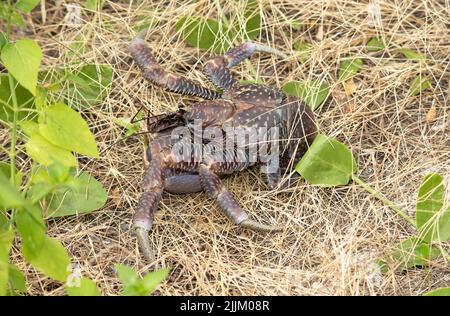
385, 201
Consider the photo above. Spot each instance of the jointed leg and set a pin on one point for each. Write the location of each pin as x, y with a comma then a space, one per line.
215, 189
157, 75
217, 69
177, 182
152, 191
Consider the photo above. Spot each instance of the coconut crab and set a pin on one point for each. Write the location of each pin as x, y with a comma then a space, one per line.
249, 108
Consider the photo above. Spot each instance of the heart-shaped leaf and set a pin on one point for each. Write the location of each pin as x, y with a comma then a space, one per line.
52, 259
433, 222
327, 163
46, 153
65, 128
22, 59
81, 194
413, 252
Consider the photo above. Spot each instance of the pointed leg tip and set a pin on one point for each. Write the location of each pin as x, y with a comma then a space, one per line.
144, 244
249, 223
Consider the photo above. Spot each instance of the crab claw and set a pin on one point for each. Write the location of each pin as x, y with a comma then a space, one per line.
144, 244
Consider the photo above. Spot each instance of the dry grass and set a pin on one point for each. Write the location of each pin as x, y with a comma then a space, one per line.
332, 236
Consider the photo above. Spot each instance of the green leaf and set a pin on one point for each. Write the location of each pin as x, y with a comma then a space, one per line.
16, 280
55, 174
375, 44
349, 68
327, 163
253, 27
81, 194
443, 291
6, 239
433, 224
46, 180
135, 286
77, 47
250, 25
126, 275
89, 85
22, 60
125, 123
6, 169
29, 127
419, 84
313, 92
24, 100
203, 33
151, 280
9, 196
39, 191
412, 55
66, 128
86, 287
93, 4
59, 173
51, 79
31, 227
52, 259
295, 25
384, 268
46, 153
16, 19
412, 252
144, 22
3, 39
303, 50
27, 5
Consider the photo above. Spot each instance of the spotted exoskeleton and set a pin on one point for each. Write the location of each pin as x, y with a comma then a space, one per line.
279, 121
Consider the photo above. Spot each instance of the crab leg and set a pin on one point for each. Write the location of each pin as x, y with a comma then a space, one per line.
152, 191
215, 189
157, 75
217, 69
